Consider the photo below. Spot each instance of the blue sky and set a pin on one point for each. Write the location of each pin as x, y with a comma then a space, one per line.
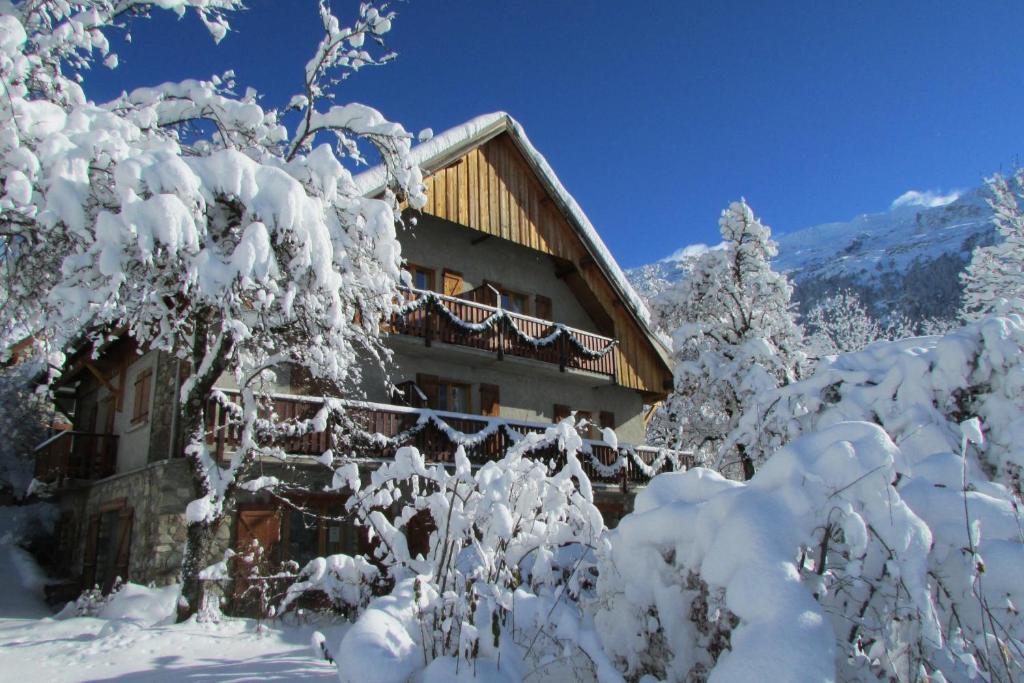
655, 115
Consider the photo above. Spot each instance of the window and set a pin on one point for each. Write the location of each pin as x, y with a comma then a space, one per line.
453, 396
514, 302
422, 278
445, 394
140, 405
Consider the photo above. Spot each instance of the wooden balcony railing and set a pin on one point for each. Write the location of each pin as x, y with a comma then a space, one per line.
74, 455
465, 323
402, 426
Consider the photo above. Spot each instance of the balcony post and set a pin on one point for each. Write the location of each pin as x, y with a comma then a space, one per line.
501, 339
427, 331
563, 351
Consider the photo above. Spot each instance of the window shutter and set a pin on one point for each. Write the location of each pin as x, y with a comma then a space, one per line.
561, 412
140, 409
429, 385
489, 400
89, 562
453, 283
542, 307
606, 419
124, 545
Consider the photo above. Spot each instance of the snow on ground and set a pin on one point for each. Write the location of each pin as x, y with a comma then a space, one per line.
134, 638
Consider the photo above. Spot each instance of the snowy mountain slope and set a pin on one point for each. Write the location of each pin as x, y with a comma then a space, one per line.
905, 259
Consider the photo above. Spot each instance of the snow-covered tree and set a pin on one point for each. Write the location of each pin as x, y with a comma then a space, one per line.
994, 279
738, 340
197, 219
838, 324
25, 418
842, 323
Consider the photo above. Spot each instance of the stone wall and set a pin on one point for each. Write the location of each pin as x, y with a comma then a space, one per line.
163, 442
158, 494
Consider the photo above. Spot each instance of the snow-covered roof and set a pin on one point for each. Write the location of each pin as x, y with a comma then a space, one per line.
453, 143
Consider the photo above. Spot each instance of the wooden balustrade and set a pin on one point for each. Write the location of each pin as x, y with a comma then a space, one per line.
73, 455
431, 440
433, 326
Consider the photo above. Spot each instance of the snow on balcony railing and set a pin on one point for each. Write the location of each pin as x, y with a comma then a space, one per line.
436, 317
376, 430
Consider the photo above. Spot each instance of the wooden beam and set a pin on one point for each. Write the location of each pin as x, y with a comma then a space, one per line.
562, 273
103, 380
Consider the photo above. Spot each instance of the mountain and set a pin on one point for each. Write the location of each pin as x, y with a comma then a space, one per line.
907, 259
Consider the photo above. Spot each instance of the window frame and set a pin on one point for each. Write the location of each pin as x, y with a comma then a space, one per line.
446, 386
429, 273
524, 298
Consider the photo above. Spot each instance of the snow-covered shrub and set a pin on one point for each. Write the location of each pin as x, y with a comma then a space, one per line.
840, 559
92, 601
918, 390
349, 583
504, 552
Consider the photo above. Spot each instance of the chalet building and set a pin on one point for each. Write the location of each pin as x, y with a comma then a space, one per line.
501, 242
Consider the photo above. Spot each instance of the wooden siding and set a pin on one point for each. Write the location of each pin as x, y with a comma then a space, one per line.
493, 189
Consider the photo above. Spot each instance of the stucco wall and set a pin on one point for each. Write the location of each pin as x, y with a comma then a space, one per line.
133, 438
528, 389
439, 244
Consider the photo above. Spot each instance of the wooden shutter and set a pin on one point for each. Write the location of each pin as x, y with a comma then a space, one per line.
489, 400
89, 562
560, 412
453, 283
122, 557
606, 419
262, 525
140, 408
542, 308
429, 384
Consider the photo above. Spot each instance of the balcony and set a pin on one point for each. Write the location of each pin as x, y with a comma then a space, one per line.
465, 322
71, 455
377, 430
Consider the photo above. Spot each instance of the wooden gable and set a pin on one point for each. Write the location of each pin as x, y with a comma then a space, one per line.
494, 189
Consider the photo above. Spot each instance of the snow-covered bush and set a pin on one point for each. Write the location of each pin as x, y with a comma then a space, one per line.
736, 338
197, 219
919, 390
843, 558
488, 563
348, 583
